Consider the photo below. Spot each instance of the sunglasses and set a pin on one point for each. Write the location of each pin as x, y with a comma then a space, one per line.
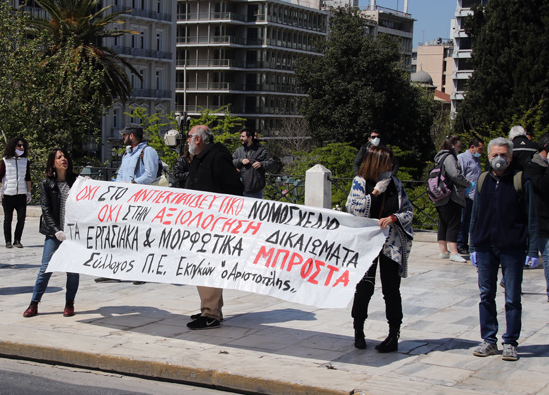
21, 145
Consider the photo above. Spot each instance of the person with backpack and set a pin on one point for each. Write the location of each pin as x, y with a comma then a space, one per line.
449, 207
504, 232
140, 163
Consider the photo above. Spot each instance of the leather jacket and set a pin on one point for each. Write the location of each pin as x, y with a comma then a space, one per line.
50, 201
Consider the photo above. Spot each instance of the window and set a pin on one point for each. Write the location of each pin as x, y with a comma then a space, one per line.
142, 40
159, 41
142, 84
158, 80
115, 118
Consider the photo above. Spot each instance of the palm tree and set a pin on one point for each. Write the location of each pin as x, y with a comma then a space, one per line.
81, 26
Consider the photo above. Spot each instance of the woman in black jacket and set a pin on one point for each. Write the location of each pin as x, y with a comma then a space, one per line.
54, 191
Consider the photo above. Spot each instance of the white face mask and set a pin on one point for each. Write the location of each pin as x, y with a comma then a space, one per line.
19, 152
375, 141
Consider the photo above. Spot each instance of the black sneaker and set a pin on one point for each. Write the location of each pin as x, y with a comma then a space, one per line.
194, 317
8, 245
463, 250
204, 323
106, 280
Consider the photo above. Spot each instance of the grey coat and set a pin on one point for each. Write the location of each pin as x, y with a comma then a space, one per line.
452, 170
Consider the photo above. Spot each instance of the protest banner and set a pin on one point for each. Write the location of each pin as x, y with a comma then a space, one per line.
145, 233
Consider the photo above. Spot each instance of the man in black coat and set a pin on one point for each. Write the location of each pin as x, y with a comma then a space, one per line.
212, 170
538, 171
523, 148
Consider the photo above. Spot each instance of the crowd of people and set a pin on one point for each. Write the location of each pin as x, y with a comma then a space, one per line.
496, 218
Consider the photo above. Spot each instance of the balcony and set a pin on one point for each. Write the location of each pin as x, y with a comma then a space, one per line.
144, 53
231, 86
194, 40
157, 16
229, 63
196, 109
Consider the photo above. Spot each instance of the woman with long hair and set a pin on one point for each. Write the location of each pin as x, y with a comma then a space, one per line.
54, 191
449, 208
377, 194
16, 187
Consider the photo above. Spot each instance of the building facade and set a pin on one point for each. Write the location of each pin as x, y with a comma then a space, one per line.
151, 51
436, 58
242, 54
398, 24
463, 67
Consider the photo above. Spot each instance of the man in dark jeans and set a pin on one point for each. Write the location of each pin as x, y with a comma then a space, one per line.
504, 225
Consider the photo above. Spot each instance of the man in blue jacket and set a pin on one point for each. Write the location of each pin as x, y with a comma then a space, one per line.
503, 226
140, 162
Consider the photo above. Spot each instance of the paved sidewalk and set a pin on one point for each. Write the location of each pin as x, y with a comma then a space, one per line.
266, 345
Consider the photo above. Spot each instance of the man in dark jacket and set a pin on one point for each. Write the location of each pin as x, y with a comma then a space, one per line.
252, 160
538, 171
504, 225
211, 170
523, 148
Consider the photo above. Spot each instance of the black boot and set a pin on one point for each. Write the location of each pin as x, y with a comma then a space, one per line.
390, 344
360, 341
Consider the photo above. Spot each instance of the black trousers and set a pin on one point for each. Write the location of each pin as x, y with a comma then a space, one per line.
449, 221
390, 286
19, 204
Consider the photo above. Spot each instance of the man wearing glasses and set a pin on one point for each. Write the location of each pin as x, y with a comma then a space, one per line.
212, 170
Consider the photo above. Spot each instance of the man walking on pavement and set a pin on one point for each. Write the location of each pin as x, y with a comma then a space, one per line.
252, 160
504, 225
212, 170
471, 169
140, 161
538, 171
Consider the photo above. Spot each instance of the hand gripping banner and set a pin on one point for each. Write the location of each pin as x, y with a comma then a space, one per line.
145, 233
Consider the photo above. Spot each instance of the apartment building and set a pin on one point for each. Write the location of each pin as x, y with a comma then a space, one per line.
436, 58
398, 24
463, 67
242, 54
152, 53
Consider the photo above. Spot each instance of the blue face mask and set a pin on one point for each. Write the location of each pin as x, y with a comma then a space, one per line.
476, 155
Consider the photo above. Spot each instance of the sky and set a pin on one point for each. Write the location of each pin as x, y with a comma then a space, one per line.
433, 17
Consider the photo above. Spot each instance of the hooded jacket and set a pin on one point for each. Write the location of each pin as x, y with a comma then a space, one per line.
452, 170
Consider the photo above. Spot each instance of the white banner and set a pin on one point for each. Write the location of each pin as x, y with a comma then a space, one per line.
139, 232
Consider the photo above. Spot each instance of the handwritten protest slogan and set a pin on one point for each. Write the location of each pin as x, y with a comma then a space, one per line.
139, 232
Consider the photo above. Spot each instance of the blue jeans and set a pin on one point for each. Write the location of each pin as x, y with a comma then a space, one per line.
544, 250
73, 279
257, 195
512, 266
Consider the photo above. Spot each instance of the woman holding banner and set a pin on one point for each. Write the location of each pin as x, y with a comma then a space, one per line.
54, 191
376, 194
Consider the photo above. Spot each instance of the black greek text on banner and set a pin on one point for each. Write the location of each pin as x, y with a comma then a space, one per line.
145, 233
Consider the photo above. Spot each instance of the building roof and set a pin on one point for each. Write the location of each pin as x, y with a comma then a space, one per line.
442, 96
421, 77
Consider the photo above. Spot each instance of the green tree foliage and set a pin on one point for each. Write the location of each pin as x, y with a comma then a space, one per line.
81, 26
41, 94
359, 85
511, 63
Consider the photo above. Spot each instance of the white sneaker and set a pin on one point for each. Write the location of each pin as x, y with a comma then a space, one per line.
444, 256
457, 258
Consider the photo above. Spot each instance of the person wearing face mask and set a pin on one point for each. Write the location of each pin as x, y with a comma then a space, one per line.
538, 171
449, 208
504, 232
374, 140
16, 188
377, 194
471, 169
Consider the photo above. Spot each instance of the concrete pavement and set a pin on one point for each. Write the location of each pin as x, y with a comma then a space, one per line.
267, 345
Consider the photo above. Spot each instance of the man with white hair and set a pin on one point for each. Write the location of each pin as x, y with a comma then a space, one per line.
504, 231
523, 148
212, 170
